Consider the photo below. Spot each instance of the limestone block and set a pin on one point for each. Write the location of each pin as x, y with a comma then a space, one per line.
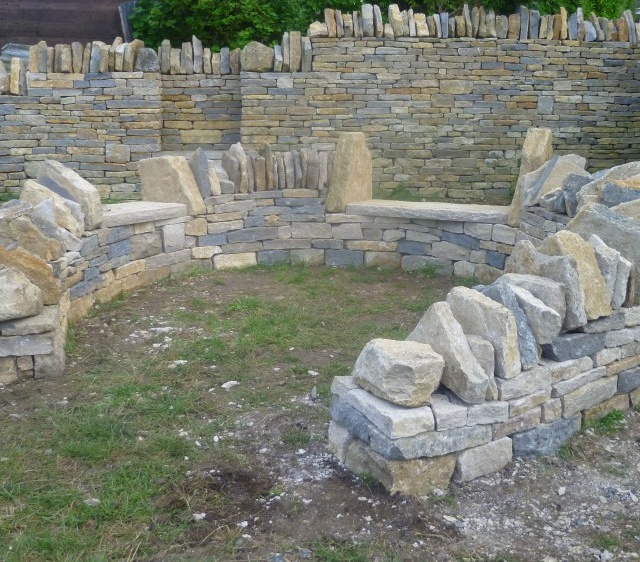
169, 179
483, 460
317, 29
147, 61
616, 231
9, 371
544, 321
395, 19
589, 395
551, 293
545, 439
462, 373
628, 381
38, 271
70, 185
48, 320
19, 297
525, 259
392, 421
234, 261
257, 57
566, 243
68, 214
484, 353
553, 175
5, 80
18, 77
573, 345
22, 227
481, 316
418, 477
351, 177
488, 413
619, 402
536, 150
404, 373
503, 294
569, 385
447, 414
527, 382
205, 174
607, 259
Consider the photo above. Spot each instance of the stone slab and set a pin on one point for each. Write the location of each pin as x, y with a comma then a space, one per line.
492, 214
545, 439
137, 212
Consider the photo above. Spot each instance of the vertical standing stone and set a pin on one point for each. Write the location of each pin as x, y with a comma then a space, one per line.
295, 46
461, 27
395, 19
351, 177
165, 56
534, 24
277, 58
524, 22
174, 61
18, 80
502, 27
62, 58
265, 152
86, 59
330, 20
286, 52
51, 57
112, 53
368, 29
633, 34
378, 25
452, 27
438, 25
307, 55
596, 24
475, 21
33, 58
206, 60
557, 27
444, 24
132, 54
482, 23
216, 64
357, 24
467, 20
234, 61
186, 59
118, 64
225, 61
347, 22
422, 30
573, 27
198, 55
43, 57
564, 24
412, 23
96, 56
491, 23
514, 27
339, 24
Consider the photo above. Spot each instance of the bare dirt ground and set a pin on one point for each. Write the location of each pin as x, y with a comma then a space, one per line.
263, 486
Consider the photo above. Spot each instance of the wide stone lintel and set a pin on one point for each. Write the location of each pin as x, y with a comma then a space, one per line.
135, 212
491, 214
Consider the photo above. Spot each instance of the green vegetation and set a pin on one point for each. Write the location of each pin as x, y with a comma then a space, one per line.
611, 423
233, 23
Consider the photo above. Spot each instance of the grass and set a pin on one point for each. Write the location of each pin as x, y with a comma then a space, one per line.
608, 424
133, 429
332, 550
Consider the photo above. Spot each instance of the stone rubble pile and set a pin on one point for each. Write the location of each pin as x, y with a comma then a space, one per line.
266, 170
512, 368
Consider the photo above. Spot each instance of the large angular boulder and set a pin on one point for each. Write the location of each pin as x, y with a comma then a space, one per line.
402, 372
483, 317
504, 294
545, 322
256, 57
566, 243
169, 179
596, 191
616, 231
19, 297
525, 259
38, 271
68, 214
351, 176
462, 373
70, 185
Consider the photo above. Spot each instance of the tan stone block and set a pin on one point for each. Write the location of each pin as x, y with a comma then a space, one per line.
80, 307
37, 271
351, 178
622, 365
205, 252
8, 370
196, 227
234, 261
201, 136
382, 259
129, 269
619, 402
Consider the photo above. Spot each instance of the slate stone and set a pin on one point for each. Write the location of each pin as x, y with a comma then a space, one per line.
628, 381
571, 185
573, 27
524, 22
503, 294
573, 346
590, 32
534, 24
545, 439
502, 27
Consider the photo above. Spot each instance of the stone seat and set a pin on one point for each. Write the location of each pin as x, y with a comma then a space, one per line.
135, 212
489, 214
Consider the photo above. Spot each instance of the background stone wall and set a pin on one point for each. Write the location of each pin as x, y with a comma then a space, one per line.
443, 117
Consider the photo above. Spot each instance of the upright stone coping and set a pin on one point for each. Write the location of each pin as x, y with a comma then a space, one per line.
134, 212
490, 214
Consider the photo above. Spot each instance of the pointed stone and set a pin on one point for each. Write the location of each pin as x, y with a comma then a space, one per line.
482, 23
483, 317
525, 259
403, 373
68, 214
330, 22
395, 19
69, 184
198, 55
565, 243
462, 373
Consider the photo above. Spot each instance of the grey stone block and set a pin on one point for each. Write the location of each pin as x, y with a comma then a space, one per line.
463, 240
483, 460
629, 380
273, 257
573, 346
344, 258
545, 439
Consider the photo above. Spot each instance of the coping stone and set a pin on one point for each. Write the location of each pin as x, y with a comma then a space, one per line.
135, 212
494, 214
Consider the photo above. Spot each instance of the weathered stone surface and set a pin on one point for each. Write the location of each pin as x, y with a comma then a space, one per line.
48, 320
552, 175
70, 185
502, 293
628, 381
566, 243
525, 259
147, 61
488, 413
368, 28
462, 373
525, 383
39, 344
502, 27
169, 179
404, 373
68, 214
351, 177
481, 316
485, 354
318, 29
589, 395
5, 79
536, 150
483, 460
545, 439
427, 444
205, 175
37, 271
447, 414
573, 346
9, 372
616, 231
19, 297
493, 214
338, 440
418, 477
550, 292
545, 322
392, 421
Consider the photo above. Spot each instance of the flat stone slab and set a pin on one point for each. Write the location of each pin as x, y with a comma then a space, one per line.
134, 212
493, 214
